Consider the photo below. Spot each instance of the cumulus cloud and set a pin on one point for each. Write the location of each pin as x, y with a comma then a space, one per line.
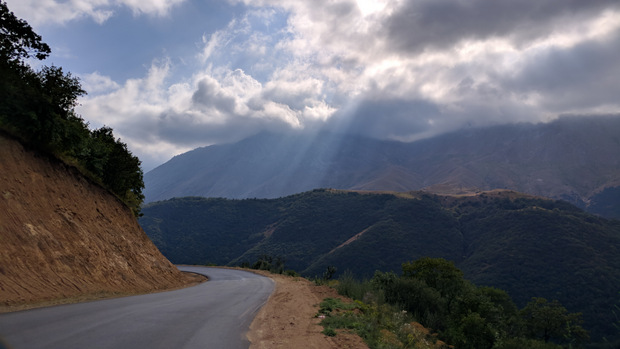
213, 106
401, 70
97, 83
573, 79
417, 68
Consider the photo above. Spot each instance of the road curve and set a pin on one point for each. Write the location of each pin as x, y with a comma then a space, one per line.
214, 314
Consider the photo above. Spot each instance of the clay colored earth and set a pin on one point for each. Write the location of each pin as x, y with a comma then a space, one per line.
288, 319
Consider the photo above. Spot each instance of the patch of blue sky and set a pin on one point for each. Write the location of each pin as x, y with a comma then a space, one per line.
250, 44
124, 46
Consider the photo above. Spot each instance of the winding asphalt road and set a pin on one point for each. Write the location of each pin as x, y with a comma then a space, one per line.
214, 314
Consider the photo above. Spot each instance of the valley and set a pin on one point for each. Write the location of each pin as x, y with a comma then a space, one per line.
528, 246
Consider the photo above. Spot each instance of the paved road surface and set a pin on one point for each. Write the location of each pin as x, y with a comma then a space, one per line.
215, 314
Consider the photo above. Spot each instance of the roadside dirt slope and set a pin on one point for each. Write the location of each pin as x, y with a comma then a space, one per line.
61, 236
288, 319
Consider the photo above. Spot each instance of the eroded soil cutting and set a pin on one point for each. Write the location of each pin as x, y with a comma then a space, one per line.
62, 237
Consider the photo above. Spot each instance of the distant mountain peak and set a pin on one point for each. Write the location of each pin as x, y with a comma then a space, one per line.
571, 158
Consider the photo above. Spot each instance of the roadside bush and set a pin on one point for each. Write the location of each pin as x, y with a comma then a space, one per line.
350, 287
290, 272
434, 293
269, 263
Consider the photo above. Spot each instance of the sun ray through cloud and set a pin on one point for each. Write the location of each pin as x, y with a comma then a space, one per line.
386, 69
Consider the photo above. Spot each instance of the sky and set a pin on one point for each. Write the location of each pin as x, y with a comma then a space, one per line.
173, 75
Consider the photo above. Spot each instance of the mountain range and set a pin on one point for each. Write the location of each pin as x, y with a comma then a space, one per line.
528, 246
572, 158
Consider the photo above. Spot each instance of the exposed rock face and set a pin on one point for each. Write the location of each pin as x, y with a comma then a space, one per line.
63, 236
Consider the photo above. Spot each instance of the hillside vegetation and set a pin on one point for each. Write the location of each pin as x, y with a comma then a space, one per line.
433, 292
525, 245
38, 108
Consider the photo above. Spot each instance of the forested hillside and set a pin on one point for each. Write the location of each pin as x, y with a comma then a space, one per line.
526, 245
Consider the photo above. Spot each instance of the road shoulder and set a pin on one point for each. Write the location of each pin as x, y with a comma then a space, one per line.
288, 319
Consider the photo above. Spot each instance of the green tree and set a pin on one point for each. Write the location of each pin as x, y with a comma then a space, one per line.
493, 305
18, 85
61, 90
472, 332
550, 321
39, 108
17, 39
329, 272
120, 170
56, 99
437, 273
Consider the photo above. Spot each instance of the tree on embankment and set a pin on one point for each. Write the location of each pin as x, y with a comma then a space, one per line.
38, 107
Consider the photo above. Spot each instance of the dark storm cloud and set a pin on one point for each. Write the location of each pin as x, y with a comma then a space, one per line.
582, 76
420, 25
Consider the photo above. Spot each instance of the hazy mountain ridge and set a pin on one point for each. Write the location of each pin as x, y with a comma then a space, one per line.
526, 245
571, 158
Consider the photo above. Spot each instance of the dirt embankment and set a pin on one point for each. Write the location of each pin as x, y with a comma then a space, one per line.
62, 236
